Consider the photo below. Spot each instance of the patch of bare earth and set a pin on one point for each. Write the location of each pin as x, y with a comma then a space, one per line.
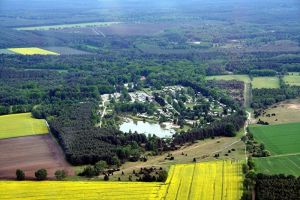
30, 154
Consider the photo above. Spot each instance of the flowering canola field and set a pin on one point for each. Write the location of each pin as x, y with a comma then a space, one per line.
209, 180
32, 51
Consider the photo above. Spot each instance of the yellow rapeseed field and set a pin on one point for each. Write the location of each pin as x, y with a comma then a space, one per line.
209, 180
16, 125
32, 51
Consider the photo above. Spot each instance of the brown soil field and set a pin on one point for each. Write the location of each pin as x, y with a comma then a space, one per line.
30, 154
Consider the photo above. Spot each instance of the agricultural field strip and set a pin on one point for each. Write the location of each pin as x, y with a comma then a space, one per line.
32, 51
208, 176
61, 26
26, 126
289, 165
257, 82
278, 139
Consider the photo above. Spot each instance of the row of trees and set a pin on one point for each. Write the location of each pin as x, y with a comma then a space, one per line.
41, 174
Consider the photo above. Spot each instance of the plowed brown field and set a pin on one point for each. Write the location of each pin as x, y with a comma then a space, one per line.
31, 153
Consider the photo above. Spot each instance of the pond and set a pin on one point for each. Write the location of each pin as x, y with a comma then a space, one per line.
146, 128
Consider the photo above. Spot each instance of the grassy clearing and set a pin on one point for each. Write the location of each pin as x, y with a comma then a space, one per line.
278, 139
289, 165
207, 180
244, 78
292, 78
32, 51
257, 82
62, 26
285, 112
17, 125
265, 82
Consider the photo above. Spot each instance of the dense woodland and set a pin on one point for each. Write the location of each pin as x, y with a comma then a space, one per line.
277, 187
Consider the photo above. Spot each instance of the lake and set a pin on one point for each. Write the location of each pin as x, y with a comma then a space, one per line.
146, 128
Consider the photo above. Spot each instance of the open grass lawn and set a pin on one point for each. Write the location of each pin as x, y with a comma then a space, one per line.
16, 125
289, 165
61, 26
283, 142
244, 78
32, 51
265, 82
278, 139
207, 180
292, 78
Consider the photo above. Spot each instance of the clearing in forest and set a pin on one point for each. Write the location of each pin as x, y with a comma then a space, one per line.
16, 125
257, 82
244, 78
284, 112
32, 51
292, 78
265, 82
208, 180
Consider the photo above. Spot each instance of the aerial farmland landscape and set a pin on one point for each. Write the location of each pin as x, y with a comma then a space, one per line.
139, 99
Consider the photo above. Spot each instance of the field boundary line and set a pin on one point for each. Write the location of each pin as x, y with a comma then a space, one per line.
190, 189
280, 155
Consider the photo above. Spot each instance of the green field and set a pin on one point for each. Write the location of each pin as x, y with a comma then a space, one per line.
244, 78
16, 125
61, 26
283, 142
289, 165
292, 78
265, 82
278, 139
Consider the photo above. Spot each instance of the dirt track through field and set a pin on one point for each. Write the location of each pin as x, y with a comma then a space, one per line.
30, 154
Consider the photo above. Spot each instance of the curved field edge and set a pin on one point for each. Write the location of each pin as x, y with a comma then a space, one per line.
18, 125
207, 180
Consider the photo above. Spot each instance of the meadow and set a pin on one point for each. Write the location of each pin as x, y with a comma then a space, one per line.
32, 51
207, 180
62, 26
257, 82
265, 82
292, 78
244, 78
16, 125
285, 112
